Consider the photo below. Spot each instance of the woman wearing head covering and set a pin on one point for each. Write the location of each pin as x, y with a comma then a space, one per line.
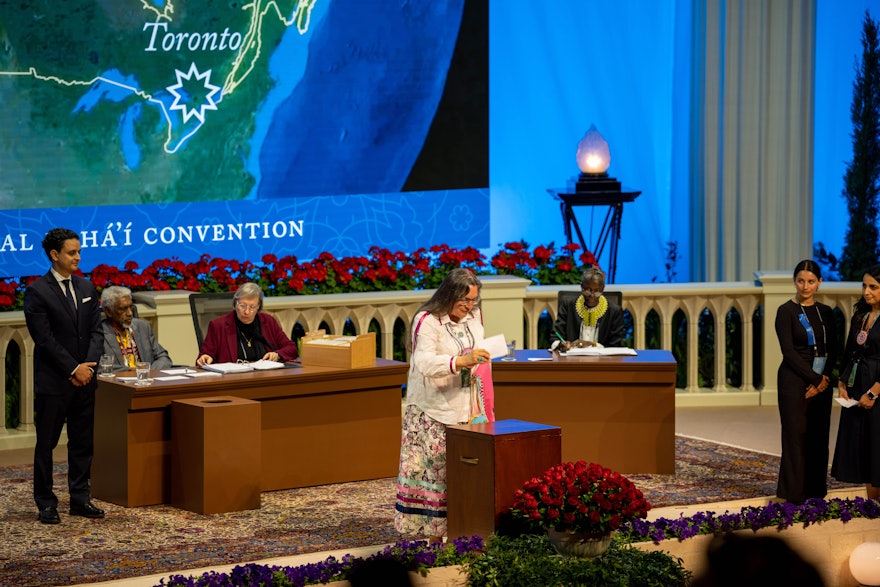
246, 334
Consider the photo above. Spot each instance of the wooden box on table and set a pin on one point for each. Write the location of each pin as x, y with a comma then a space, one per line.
345, 352
487, 463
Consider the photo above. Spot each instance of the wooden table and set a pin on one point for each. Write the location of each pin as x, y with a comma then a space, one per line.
615, 411
320, 425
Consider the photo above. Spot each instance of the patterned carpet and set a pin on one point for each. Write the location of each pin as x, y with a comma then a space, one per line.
133, 542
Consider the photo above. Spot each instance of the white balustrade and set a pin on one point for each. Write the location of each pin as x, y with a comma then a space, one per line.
510, 306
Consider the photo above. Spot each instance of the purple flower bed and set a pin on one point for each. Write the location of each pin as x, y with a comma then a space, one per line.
781, 515
416, 555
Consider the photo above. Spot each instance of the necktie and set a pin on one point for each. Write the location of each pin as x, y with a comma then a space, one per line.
69, 294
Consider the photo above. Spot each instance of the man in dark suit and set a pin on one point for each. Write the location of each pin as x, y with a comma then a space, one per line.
63, 317
128, 339
590, 318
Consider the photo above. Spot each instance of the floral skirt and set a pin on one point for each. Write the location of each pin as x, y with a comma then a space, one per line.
421, 482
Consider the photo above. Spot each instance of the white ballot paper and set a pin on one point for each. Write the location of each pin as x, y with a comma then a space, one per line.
846, 403
496, 345
592, 351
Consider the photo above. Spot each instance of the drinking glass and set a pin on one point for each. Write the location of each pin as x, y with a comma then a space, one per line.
143, 373
511, 350
105, 366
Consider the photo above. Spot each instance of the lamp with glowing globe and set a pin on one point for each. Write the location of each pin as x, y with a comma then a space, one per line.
864, 563
593, 159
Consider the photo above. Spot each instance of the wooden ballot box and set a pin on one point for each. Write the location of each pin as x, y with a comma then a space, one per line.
215, 456
487, 463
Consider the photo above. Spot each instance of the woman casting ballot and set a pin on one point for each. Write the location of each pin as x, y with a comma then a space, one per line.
443, 336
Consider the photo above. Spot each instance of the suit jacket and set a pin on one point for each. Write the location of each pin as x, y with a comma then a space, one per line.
221, 341
609, 327
62, 340
149, 349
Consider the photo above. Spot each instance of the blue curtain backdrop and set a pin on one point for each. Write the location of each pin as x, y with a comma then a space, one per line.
555, 69
558, 67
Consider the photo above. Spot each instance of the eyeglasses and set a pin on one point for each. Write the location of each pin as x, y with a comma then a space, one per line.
247, 307
592, 292
469, 301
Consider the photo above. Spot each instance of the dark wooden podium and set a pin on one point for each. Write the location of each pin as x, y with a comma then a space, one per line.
215, 454
487, 463
617, 411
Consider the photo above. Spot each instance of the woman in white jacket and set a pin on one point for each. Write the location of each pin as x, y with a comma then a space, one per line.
444, 334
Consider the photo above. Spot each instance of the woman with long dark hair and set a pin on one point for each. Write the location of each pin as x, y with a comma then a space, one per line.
857, 452
444, 336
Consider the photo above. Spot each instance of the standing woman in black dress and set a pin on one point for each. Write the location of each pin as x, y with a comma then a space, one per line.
857, 453
807, 335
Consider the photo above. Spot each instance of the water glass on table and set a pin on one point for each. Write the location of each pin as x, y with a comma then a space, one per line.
511, 351
142, 370
105, 366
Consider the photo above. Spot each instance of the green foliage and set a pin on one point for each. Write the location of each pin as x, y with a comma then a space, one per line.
400, 340
828, 261
862, 177
13, 385
733, 348
531, 560
706, 350
672, 256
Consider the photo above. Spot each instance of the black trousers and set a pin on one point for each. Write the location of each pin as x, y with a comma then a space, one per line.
803, 471
77, 409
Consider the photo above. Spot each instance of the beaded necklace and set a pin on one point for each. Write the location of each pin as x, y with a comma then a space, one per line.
862, 336
591, 316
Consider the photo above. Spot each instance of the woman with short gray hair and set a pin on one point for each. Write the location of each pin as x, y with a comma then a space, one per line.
246, 334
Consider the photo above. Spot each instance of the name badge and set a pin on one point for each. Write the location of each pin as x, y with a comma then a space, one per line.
819, 364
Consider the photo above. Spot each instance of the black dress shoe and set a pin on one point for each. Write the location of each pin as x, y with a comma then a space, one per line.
86, 510
49, 515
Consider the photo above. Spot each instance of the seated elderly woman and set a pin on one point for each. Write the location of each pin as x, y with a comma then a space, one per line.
246, 334
590, 319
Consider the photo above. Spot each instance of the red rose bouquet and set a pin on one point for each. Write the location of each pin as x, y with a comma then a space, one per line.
580, 497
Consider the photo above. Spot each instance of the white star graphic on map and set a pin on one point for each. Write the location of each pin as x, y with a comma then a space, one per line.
209, 98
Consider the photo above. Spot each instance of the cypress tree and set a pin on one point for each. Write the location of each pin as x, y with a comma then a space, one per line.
862, 177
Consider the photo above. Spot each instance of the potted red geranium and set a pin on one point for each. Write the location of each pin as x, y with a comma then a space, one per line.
579, 504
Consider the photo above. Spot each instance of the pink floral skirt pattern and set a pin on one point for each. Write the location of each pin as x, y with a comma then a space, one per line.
421, 483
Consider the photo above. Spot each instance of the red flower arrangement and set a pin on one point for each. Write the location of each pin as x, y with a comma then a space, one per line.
381, 270
579, 497
544, 265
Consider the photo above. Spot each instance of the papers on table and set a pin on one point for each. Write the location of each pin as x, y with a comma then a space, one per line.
592, 351
337, 341
263, 365
260, 365
228, 367
846, 403
179, 371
